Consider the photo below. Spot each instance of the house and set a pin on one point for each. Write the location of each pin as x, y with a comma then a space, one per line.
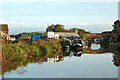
36, 37
50, 35
4, 31
4, 28
25, 36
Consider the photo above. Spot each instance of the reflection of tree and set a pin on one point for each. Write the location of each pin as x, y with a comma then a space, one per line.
66, 52
61, 58
19, 65
13, 65
21, 70
116, 59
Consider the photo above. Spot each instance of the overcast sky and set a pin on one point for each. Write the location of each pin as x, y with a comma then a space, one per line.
35, 15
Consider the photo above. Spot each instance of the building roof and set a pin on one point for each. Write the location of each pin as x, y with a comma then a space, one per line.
4, 27
25, 35
68, 34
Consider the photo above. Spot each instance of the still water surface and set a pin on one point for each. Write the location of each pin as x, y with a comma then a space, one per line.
88, 65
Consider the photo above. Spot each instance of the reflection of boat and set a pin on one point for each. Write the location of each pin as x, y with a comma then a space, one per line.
85, 44
78, 53
77, 45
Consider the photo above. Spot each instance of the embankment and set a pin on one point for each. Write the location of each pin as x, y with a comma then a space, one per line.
22, 52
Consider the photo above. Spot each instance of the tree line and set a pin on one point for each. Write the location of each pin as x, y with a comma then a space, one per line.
115, 33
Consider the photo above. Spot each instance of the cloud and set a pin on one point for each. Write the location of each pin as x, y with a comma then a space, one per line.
97, 27
18, 27
3, 22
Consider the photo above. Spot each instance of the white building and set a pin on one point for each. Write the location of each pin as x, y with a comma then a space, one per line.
57, 35
50, 35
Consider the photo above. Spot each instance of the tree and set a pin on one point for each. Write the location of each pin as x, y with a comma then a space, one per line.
116, 30
59, 28
56, 28
116, 27
50, 28
81, 32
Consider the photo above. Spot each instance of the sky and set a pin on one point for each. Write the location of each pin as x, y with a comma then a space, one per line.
34, 15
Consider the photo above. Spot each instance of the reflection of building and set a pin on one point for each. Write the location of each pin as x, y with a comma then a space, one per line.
51, 60
41, 60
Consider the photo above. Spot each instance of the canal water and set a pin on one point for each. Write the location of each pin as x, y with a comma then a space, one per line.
89, 64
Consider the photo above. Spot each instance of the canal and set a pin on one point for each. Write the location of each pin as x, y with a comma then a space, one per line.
89, 64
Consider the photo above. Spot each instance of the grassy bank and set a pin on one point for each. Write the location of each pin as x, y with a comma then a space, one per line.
42, 48
22, 52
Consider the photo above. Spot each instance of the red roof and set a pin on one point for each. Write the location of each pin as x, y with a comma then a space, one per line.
26, 37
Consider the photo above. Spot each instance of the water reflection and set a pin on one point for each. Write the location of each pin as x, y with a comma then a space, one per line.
116, 59
95, 46
20, 67
78, 53
21, 70
51, 60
